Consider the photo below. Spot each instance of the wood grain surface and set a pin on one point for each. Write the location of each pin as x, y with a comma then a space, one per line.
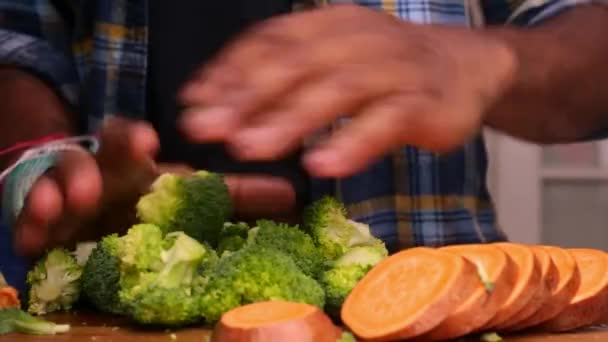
88, 327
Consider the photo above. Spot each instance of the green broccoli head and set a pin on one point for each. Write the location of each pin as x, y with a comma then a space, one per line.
54, 282
346, 272
141, 247
253, 275
169, 296
232, 237
326, 220
289, 240
196, 204
101, 276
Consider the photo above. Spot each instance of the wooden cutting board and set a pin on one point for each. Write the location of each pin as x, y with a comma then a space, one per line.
98, 328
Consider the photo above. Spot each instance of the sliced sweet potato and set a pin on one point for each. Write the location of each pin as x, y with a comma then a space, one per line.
408, 294
589, 303
549, 280
276, 321
568, 281
9, 298
498, 274
527, 283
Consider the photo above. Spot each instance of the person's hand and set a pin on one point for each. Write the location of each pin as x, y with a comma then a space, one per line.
85, 197
402, 83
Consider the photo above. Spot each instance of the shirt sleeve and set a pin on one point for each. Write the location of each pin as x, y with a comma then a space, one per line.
34, 36
528, 12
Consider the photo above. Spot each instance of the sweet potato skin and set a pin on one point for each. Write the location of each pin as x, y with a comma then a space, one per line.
549, 281
525, 295
557, 303
582, 312
485, 306
314, 326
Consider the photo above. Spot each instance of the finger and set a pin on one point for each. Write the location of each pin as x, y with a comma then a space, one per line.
261, 196
44, 206
132, 140
377, 130
80, 182
314, 106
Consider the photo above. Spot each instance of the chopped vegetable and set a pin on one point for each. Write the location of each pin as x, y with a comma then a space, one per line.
482, 305
9, 297
568, 282
327, 222
289, 240
541, 296
408, 294
276, 321
526, 284
252, 275
587, 306
83, 251
16, 320
491, 337
198, 204
346, 272
54, 282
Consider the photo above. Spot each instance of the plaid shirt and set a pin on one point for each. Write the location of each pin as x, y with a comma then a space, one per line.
94, 52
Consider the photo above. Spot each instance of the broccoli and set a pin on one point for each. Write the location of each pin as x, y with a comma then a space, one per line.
116, 262
253, 275
347, 337
83, 251
16, 320
169, 297
54, 282
101, 276
289, 240
346, 272
197, 204
326, 220
232, 237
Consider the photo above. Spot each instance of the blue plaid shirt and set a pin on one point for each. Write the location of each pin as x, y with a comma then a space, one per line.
95, 53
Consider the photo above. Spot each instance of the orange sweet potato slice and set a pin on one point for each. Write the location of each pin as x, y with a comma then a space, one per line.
499, 274
549, 281
568, 281
408, 294
527, 283
9, 298
589, 304
275, 321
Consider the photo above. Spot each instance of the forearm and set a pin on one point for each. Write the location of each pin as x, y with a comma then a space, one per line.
30, 110
558, 92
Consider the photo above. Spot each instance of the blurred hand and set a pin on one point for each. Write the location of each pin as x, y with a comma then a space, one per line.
403, 84
87, 196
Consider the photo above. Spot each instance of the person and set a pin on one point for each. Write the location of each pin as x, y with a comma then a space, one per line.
382, 101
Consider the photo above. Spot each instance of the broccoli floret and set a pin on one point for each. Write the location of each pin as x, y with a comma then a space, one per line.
326, 220
101, 276
253, 275
197, 204
347, 337
232, 237
117, 263
289, 240
169, 296
54, 282
346, 272
83, 251
16, 320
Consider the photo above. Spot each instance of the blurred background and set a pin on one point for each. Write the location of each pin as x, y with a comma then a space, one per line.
553, 195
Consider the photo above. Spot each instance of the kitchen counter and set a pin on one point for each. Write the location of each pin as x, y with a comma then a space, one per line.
94, 327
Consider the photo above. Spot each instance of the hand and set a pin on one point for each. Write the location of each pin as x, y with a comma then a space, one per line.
86, 196
402, 83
